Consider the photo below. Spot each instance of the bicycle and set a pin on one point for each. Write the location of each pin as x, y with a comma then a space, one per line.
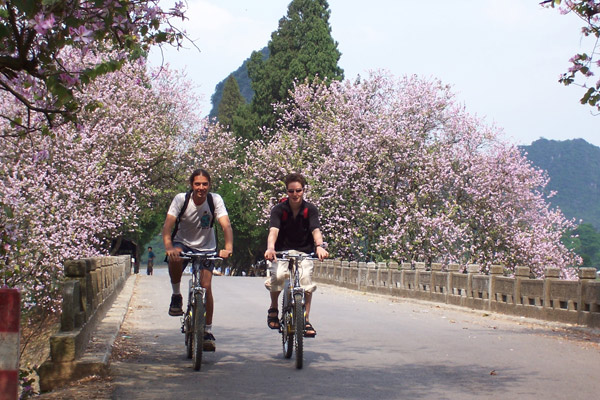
193, 321
292, 322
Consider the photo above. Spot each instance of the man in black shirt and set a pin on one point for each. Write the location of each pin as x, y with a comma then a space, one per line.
294, 225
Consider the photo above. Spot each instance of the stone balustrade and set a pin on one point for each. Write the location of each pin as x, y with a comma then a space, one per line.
550, 299
89, 289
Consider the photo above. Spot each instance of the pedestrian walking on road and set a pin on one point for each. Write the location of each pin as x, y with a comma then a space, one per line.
150, 266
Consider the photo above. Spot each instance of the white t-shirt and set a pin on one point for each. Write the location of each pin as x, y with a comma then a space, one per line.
194, 227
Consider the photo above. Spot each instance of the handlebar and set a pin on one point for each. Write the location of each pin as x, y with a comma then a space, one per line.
204, 255
285, 255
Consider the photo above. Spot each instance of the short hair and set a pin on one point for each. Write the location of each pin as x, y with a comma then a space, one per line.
149, 248
199, 172
295, 177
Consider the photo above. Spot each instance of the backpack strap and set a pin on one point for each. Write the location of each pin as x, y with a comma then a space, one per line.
211, 206
284, 214
185, 204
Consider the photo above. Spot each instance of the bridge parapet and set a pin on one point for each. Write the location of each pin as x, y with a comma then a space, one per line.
89, 289
550, 299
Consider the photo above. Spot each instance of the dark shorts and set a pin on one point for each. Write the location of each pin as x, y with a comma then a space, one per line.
209, 265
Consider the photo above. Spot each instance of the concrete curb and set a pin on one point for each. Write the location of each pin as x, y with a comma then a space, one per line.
97, 354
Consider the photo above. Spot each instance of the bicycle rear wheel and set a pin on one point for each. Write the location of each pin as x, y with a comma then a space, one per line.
198, 335
287, 327
299, 329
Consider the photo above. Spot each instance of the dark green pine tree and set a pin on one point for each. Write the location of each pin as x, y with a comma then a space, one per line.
232, 99
301, 49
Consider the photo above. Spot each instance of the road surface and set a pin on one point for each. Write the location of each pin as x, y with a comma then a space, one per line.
367, 347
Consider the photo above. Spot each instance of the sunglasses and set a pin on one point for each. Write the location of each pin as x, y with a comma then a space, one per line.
295, 190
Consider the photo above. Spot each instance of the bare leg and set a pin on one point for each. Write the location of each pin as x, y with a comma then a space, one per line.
175, 270
274, 299
206, 283
307, 301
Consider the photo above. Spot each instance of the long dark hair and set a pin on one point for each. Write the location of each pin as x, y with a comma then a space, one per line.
200, 172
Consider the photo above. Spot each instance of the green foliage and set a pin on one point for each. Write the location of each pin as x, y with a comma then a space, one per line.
232, 99
250, 237
574, 170
246, 125
585, 241
243, 81
302, 49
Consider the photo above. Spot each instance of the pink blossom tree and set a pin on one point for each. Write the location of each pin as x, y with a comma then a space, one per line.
66, 194
400, 171
583, 65
36, 35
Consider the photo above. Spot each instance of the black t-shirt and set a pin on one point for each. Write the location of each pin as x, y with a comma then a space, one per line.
295, 233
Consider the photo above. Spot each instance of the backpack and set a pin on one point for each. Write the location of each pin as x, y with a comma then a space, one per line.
211, 206
284, 215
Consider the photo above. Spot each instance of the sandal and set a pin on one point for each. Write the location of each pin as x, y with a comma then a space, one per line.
273, 321
309, 331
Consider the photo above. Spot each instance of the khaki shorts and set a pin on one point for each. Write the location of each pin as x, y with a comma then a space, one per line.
279, 272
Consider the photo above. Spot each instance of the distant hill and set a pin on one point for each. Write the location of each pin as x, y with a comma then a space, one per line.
243, 81
574, 170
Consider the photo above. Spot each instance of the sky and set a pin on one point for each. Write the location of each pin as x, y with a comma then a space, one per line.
502, 58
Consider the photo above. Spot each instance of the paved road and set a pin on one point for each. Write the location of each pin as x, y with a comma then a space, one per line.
367, 347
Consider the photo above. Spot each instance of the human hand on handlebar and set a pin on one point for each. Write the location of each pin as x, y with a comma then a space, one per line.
224, 253
270, 255
173, 253
321, 253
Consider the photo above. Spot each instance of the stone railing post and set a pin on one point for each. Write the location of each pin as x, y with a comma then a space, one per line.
521, 274
361, 277
452, 269
383, 277
436, 269
472, 269
419, 267
405, 266
586, 277
550, 275
495, 272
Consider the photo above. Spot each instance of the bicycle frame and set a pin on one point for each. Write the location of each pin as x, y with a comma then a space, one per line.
293, 308
193, 321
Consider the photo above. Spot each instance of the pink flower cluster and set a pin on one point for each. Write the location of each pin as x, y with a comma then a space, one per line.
66, 194
399, 170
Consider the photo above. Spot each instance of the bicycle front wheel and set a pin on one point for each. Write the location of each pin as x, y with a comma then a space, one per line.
299, 325
189, 333
198, 335
287, 327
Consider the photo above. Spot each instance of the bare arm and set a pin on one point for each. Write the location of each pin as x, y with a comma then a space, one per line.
166, 235
228, 235
318, 238
271, 239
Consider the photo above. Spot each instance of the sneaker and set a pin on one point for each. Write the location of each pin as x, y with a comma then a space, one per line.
209, 342
176, 307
